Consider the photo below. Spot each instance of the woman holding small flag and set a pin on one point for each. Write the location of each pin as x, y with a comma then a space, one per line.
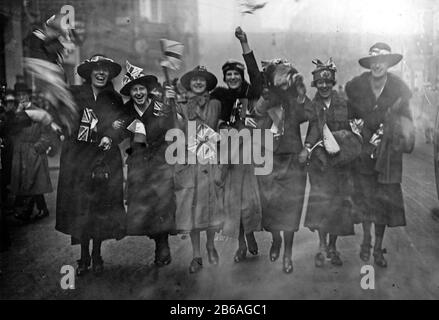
90, 189
150, 192
198, 186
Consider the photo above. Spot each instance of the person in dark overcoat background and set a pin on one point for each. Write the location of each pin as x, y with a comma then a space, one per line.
381, 100
150, 191
30, 177
90, 189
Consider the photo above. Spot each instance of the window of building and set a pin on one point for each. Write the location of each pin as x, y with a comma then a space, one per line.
151, 10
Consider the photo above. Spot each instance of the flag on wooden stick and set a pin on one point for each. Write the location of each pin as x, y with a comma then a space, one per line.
172, 54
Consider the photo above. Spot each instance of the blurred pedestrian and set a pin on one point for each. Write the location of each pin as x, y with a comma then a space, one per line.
242, 203
150, 191
90, 189
381, 100
30, 177
428, 109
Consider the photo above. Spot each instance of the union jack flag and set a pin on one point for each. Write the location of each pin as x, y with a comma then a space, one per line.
88, 126
204, 144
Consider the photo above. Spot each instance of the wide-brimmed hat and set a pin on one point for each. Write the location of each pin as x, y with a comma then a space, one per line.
324, 71
86, 67
135, 76
22, 87
380, 52
233, 65
199, 71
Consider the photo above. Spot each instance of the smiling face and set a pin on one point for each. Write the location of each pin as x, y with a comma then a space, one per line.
233, 79
324, 88
100, 77
139, 94
379, 68
198, 85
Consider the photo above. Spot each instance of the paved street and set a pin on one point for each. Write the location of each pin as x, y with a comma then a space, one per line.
31, 269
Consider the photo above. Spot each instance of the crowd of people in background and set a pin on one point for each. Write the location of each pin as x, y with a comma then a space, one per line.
352, 154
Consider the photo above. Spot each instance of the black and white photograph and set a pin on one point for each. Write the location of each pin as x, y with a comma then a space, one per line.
219, 155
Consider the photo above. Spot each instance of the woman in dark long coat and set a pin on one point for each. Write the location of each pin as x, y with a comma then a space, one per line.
90, 188
150, 192
242, 203
381, 100
282, 191
329, 204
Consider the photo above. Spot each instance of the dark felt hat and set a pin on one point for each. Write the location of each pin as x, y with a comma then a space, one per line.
380, 52
86, 67
199, 71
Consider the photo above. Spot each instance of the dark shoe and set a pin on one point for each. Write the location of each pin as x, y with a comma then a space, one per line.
98, 266
252, 244
287, 265
83, 266
240, 255
196, 265
161, 262
319, 260
365, 252
275, 250
212, 256
335, 258
42, 214
378, 255
162, 254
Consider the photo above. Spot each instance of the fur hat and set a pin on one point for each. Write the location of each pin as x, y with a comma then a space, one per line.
380, 52
86, 67
199, 71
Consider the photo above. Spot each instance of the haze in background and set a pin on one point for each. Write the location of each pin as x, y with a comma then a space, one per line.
301, 30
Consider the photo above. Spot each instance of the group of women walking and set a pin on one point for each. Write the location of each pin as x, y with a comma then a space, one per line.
166, 199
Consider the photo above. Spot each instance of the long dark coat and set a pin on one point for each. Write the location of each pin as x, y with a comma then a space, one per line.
329, 205
151, 199
378, 193
30, 169
282, 191
242, 203
84, 210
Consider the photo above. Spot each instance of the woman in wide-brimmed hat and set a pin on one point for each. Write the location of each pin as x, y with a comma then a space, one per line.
329, 204
150, 192
197, 191
381, 99
90, 189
